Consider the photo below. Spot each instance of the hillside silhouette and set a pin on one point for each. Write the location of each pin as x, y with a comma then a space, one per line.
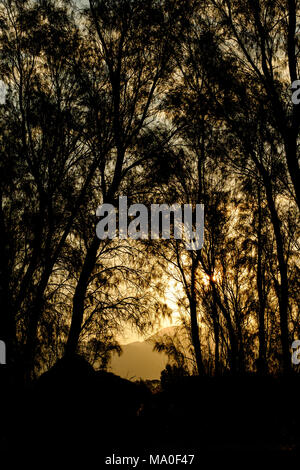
139, 360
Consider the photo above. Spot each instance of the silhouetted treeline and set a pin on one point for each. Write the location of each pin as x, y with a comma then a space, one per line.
164, 102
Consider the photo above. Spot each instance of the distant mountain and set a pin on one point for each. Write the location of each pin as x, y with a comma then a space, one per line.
168, 331
139, 361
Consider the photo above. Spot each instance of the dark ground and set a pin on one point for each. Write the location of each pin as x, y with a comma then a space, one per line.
75, 415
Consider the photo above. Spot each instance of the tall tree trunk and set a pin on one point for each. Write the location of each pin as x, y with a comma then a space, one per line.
216, 336
262, 359
283, 288
292, 157
194, 320
34, 317
79, 297
292, 134
196, 338
7, 319
288, 132
234, 352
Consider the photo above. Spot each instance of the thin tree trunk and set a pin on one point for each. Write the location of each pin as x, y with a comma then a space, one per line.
196, 339
194, 320
293, 132
262, 362
7, 319
234, 356
217, 337
292, 158
283, 288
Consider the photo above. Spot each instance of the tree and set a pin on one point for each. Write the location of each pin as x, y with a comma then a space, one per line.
132, 42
